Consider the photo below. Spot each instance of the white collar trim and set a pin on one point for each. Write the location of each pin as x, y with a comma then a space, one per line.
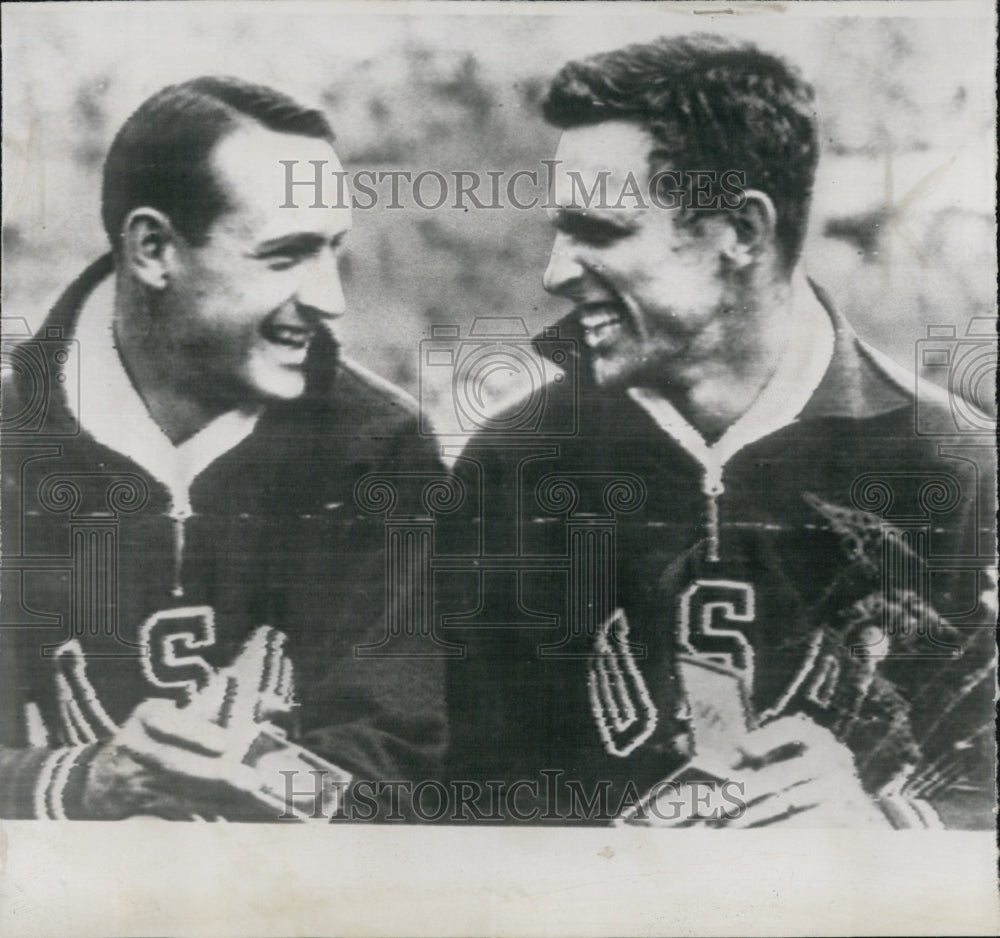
799, 372
111, 410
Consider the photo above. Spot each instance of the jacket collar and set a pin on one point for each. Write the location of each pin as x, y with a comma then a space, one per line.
66, 311
859, 382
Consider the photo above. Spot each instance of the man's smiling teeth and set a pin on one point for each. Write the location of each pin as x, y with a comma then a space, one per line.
598, 326
291, 336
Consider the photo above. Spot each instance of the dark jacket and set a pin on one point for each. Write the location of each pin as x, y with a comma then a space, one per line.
277, 537
846, 525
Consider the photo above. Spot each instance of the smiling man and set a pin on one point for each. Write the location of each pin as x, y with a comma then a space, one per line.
727, 577
187, 576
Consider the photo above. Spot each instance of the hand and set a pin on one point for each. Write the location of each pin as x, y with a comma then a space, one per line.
218, 755
791, 772
171, 762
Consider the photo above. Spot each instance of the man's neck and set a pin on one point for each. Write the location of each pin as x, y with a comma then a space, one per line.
146, 354
716, 392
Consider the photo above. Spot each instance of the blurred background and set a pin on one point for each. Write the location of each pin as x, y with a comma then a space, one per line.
902, 230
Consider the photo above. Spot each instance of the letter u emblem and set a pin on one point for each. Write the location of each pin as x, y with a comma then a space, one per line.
619, 699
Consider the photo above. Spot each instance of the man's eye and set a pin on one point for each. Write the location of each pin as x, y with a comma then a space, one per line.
593, 232
282, 262
601, 236
286, 259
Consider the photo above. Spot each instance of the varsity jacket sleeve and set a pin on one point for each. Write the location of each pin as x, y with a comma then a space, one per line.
30, 786
354, 595
494, 664
35, 781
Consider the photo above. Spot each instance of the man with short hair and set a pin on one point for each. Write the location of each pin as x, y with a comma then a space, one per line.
190, 587
738, 564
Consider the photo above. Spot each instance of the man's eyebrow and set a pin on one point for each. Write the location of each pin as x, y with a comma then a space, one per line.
299, 241
580, 221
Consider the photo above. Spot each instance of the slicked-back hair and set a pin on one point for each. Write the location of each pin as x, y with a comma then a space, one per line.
710, 103
160, 156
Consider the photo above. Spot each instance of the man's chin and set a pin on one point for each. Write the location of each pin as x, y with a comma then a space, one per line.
620, 372
611, 375
277, 384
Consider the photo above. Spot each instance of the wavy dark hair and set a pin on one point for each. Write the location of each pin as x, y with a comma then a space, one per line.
711, 103
160, 156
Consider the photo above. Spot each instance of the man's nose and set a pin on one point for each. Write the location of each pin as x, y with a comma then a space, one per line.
321, 289
563, 269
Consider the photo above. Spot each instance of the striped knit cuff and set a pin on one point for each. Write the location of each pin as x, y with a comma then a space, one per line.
907, 813
60, 785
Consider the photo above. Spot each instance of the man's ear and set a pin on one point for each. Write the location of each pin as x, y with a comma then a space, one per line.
149, 247
753, 229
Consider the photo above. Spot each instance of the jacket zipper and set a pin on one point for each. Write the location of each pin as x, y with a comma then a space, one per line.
712, 488
179, 514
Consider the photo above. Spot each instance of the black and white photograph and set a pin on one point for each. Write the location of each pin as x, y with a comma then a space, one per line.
459, 458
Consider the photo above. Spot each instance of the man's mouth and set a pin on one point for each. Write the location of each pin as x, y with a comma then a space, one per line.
601, 323
291, 337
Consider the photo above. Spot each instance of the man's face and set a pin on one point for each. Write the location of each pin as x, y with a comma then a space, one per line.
647, 291
243, 307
